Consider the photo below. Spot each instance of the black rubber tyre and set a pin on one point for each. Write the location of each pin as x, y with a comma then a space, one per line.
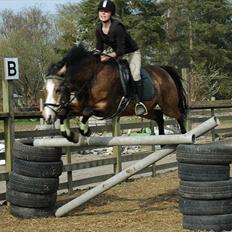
206, 190
205, 207
204, 153
31, 200
26, 151
211, 222
24, 212
37, 169
33, 184
203, 172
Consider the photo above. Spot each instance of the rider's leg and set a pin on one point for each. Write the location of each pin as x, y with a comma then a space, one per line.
135, 66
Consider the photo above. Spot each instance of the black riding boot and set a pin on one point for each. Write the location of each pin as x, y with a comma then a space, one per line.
140, 108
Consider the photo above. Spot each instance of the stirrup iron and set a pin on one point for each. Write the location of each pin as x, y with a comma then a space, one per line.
140, 109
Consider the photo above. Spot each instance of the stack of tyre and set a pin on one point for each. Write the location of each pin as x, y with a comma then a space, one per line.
205, 186
33, 184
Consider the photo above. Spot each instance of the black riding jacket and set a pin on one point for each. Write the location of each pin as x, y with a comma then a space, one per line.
117, 38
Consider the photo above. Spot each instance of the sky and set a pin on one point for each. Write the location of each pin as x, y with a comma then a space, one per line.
45, 5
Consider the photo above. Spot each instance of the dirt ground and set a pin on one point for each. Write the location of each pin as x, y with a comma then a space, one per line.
145, 204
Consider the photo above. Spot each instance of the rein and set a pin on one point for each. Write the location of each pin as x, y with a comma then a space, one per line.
52, 77
61, 105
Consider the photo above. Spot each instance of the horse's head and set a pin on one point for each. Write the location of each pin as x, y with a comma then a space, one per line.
77, 66
54, 105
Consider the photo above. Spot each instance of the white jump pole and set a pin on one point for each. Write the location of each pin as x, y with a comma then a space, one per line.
116, 141
126, 173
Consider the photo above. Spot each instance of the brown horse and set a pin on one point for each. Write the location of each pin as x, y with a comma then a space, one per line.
91, 87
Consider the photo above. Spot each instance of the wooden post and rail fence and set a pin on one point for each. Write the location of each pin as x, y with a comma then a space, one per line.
198, 112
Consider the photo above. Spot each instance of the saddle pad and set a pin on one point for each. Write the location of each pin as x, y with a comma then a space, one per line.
148, 86
127, 85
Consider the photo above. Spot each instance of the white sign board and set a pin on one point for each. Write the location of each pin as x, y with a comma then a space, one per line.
11, 68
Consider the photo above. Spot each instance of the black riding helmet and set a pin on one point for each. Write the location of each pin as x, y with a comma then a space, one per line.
107, 5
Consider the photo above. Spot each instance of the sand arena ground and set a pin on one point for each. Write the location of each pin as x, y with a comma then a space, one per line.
145, 204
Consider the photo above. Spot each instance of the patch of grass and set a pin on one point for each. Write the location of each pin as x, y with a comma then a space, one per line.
30, 122
227, 122
22, 123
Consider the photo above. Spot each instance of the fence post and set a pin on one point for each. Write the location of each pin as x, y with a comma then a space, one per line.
212, 112
41, 107
153, 174
69, 173
68, 159
7, 91
187, 81
117, 149
152, 125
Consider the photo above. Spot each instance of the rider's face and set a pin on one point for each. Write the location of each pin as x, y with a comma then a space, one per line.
104, 15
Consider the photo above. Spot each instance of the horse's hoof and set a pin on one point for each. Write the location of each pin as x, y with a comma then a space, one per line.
87, 133
74, 137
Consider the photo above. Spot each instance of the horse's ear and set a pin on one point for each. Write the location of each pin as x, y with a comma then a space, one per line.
50, 68
81, 45
53, 69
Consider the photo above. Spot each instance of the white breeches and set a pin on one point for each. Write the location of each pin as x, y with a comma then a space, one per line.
135, 64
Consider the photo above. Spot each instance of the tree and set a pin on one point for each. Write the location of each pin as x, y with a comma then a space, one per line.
141, 18
68, 27
200, 33
28, 36
180, 33
145, 23
199, 37
205, 84
77, 23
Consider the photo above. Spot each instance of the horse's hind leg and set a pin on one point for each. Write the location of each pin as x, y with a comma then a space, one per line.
174, 112
181, 121
158, 117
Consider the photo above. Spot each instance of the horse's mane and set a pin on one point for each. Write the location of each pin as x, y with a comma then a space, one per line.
75, 55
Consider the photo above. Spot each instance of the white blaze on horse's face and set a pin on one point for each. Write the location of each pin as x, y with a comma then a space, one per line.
52, 100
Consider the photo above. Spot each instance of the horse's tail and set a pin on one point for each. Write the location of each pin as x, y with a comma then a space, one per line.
182, 105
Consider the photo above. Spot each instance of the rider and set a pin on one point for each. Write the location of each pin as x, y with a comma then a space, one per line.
110, 32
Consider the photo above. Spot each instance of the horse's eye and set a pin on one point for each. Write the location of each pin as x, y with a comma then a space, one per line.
58, 90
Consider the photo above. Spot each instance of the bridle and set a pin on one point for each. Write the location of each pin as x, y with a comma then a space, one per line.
64, 104
66, 100
62, 108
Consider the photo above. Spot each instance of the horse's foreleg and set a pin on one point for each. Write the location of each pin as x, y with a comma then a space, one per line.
83, 126
67, 133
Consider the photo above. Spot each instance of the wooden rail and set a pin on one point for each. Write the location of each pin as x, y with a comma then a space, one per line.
154, 169
209, 108
217, 104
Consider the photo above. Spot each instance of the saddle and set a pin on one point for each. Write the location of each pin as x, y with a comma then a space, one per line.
128, 86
